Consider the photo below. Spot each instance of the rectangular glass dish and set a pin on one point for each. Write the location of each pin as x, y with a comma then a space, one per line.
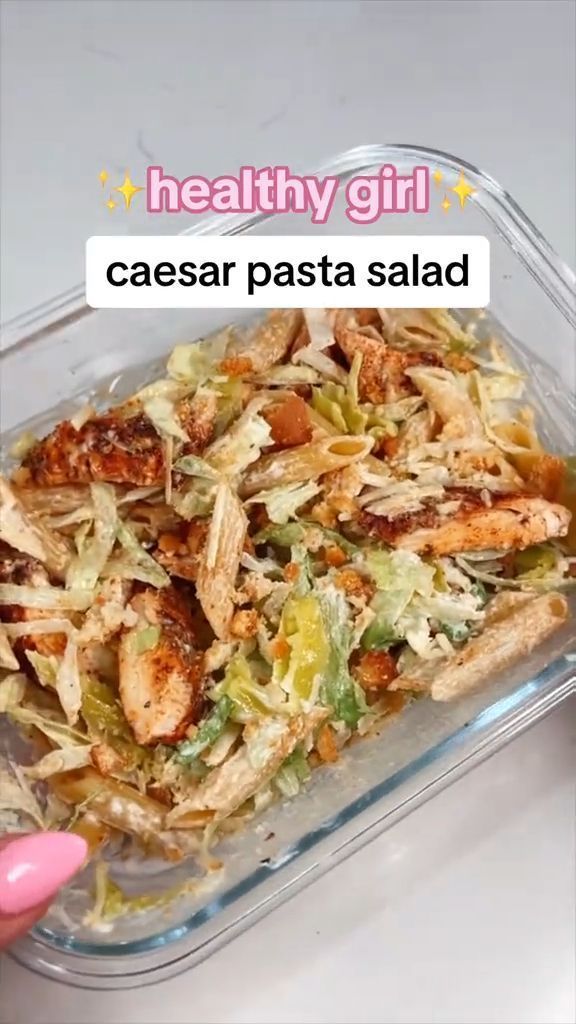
61, 355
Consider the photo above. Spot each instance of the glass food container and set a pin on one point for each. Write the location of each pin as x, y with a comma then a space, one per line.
58, 356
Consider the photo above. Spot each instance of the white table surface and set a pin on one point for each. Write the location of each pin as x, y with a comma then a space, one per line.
465, 910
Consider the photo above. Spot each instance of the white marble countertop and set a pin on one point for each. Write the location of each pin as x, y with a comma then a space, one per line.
465, 910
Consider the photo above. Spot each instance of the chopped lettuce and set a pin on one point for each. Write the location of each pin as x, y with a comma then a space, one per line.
12, 690
249, 698
147, 639
536, 562
68, 685
208, 731
137, 564
193, 465
45, 598
17, 800
161, 411
242, 444
294, 533
66, 759
57, 731
339, 691
84, 570
45, 667
413, 598
195, 363
292, 773
282, 503
457, 632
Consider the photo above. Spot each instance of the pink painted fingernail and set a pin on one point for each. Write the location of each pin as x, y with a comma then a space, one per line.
34, 867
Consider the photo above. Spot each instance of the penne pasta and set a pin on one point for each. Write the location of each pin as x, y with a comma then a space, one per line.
306, 462
272, 339
449, 400
232, 783
505, 639
220, 561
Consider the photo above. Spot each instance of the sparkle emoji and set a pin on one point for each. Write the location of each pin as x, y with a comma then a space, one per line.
103, 176
111, 203
463, 190
438, 176
445, 204
128, 190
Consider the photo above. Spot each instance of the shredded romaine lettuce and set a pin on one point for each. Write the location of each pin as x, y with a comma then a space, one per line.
242, 444
68, 685
161, 411
17, 799
292, 773
282, 503
147, 639
46, 597
411, 596
12, 690
339, 690
195, 363
193, 465
64, 760
7, 657
208, 731
294, 533
138, 564
249, 698
84, 570
45, 666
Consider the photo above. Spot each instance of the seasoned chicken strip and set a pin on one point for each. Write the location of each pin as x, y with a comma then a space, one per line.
161, 675
511, 522
109, 447
382, 375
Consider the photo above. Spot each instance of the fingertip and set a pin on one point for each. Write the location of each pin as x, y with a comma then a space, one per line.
34, 867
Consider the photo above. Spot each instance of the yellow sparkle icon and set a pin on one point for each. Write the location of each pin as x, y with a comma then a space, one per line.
128, 190
463, 190
103, 177
445, 204
111, 204
437, 176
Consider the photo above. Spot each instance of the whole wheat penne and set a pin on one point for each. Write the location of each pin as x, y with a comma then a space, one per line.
123, 807
220, 560
451, 402
505, 640
306, 462
271, 340
237, 779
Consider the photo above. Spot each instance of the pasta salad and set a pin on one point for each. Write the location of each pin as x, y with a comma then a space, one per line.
211, 588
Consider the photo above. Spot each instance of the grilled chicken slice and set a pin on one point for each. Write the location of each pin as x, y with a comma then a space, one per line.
382, 375
109, 447
161, 672
510, 522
